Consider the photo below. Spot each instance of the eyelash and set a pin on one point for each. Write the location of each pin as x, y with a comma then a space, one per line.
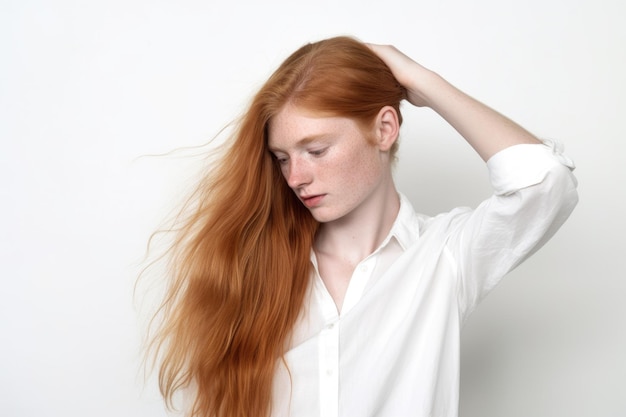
318, 152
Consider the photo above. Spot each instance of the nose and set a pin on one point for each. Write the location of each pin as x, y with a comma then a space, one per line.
297, 173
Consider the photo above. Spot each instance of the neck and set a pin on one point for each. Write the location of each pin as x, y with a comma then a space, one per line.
358, 234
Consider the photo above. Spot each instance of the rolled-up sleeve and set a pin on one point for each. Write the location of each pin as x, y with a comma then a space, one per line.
534, 193
522, 166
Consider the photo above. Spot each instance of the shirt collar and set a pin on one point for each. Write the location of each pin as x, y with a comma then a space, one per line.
405, 229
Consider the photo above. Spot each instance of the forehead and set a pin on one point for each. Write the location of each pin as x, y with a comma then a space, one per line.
294, 126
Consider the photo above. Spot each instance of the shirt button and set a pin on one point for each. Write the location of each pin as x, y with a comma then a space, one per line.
363, 268
329, 372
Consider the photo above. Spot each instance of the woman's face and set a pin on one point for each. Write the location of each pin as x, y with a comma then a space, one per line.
327, 161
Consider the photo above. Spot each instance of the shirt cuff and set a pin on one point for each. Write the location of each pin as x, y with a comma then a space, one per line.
524, 165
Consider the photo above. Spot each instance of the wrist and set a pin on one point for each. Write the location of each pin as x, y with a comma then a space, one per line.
426, 88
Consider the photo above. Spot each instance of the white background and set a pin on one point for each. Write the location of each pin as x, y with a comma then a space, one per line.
88, 89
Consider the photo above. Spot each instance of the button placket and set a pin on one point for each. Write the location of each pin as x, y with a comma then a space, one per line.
358, 281
329, 370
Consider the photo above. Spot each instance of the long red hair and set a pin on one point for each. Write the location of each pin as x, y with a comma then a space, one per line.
240, 264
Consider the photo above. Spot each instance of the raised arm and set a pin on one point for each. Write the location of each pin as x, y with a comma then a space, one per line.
486, 130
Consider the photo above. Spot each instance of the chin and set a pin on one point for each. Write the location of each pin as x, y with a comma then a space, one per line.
326, 216
323, 219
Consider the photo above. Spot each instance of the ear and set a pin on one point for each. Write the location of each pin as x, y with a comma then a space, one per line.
387, 128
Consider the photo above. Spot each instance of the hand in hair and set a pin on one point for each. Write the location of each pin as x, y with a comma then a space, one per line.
486, 130
408, 72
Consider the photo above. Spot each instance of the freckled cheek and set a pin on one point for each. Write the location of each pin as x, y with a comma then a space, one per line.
283, 172
353, 176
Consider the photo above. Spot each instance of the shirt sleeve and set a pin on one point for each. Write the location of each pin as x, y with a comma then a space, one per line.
534, 193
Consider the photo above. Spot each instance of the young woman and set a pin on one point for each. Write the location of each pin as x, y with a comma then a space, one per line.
304, 284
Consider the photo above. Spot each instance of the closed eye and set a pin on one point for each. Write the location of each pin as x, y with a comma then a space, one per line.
281, 159
318, 152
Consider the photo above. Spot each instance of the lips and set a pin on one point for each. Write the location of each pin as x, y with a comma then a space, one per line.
312, 200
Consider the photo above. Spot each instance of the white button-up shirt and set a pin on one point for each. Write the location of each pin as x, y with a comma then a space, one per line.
394, 348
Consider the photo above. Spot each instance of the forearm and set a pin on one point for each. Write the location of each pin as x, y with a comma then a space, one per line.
486, 130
